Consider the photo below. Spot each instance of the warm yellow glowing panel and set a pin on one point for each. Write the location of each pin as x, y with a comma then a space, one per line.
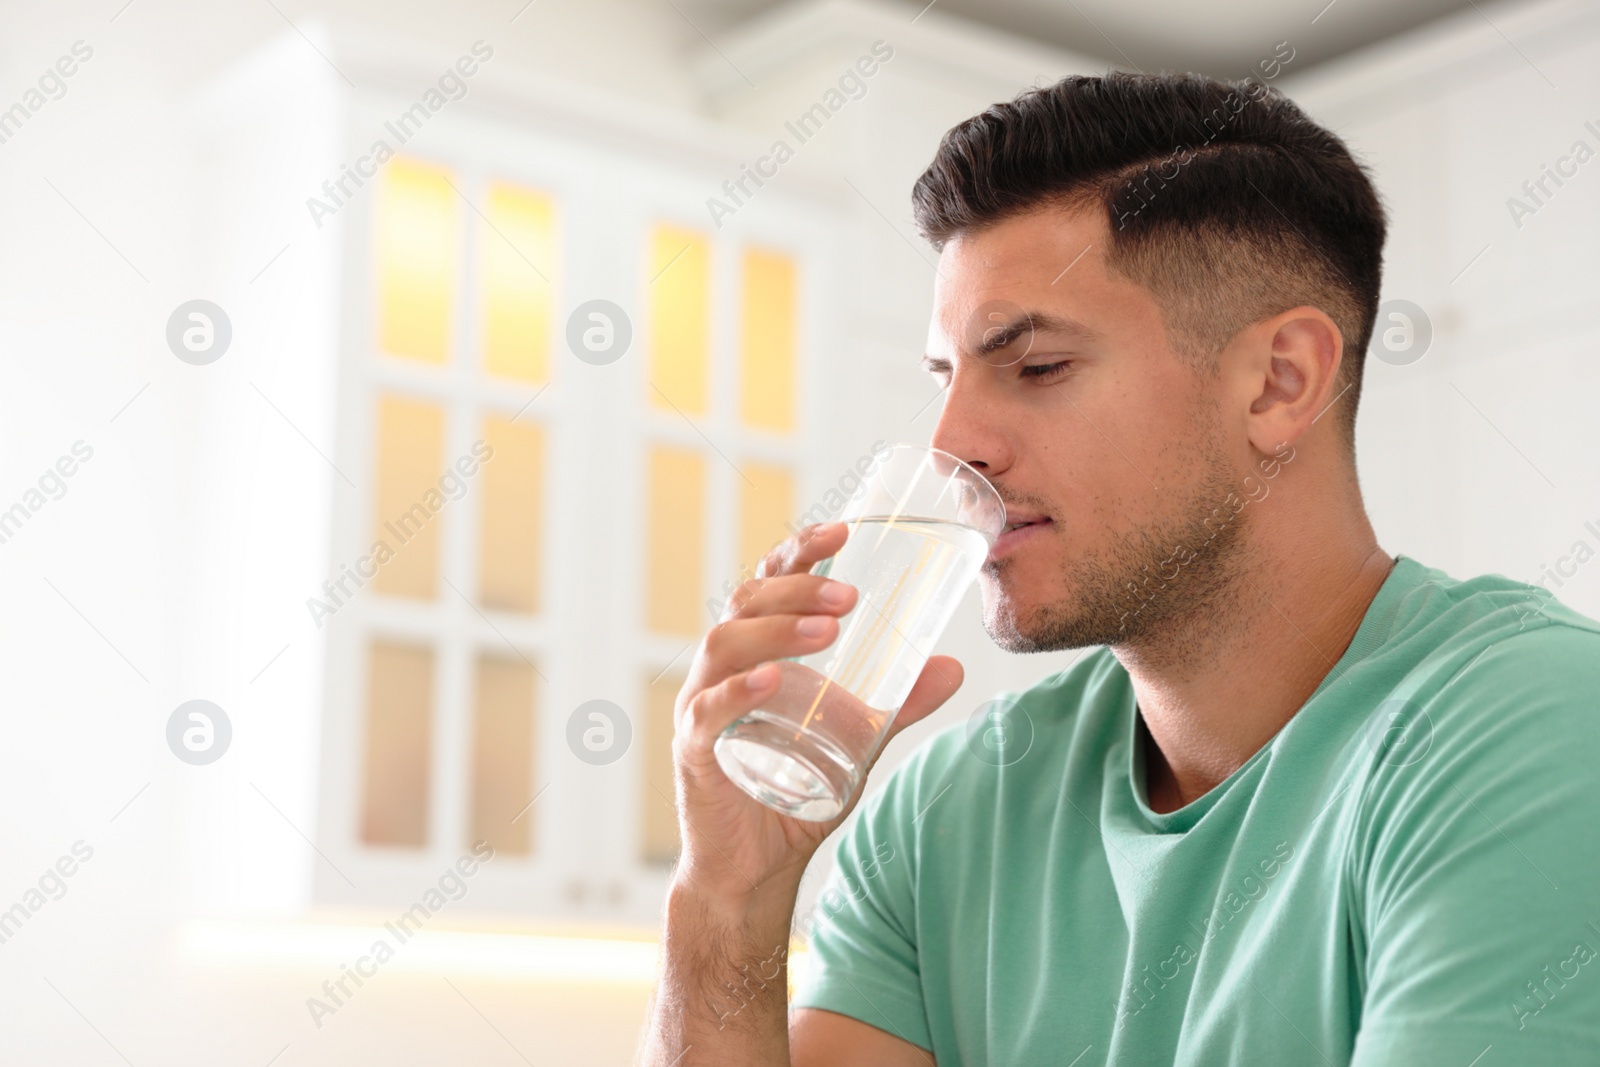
768, 325
675, 536
410, 462
503, 755
766, 502
517, 242
417, 248
398, 743
512, 520
679, 299
658, 815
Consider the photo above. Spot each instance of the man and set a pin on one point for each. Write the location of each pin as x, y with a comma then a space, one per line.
1309, 804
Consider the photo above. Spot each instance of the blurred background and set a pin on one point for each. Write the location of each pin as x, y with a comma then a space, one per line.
393, 393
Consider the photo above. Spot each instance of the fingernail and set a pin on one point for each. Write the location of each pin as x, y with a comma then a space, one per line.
813, 625
835, 592
762, 676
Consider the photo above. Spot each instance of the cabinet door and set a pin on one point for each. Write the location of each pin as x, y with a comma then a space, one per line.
576, 411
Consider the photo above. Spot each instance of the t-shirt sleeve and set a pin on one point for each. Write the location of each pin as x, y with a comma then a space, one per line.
861, 933
1479, 893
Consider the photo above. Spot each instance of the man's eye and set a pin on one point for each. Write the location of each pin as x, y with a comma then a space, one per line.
1045, 370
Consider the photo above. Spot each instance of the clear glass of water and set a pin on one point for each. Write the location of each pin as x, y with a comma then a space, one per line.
920, 526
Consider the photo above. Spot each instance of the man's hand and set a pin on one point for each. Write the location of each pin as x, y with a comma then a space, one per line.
732, 896
732, 843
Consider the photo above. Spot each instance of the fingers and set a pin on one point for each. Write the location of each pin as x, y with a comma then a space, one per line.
799, 594
766, 618
798, 553
787, 613
712, 709
741, 644
940, 678
792, 615
793, 558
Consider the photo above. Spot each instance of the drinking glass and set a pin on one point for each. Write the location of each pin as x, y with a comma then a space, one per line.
920, 526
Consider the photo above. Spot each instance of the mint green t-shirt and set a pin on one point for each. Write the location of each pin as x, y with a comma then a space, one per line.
1406, 875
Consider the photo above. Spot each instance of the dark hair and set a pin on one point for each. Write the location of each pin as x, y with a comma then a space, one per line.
1222, 198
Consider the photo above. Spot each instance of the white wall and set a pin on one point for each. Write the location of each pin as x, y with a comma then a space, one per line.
1478, 457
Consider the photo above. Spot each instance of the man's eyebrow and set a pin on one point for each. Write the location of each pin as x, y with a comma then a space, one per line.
999, 336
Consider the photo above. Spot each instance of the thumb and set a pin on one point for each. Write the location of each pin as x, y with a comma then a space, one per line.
940, 678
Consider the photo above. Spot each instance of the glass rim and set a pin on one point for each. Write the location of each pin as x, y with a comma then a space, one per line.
971, 470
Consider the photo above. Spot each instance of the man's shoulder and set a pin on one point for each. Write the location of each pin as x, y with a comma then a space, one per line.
1473, 641
1473, 829
1492, 687
1489, 607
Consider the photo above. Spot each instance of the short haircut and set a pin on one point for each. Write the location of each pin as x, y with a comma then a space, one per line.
1222, 198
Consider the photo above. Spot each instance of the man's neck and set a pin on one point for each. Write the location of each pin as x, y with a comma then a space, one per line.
1230, 679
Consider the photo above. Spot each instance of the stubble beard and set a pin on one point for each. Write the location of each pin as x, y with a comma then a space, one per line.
1138, 595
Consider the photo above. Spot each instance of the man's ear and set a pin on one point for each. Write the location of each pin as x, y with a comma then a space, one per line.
1293, 359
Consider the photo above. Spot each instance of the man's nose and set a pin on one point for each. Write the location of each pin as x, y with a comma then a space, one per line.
971, 427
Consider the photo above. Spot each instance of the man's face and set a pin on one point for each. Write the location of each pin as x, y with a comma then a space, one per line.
1123, 449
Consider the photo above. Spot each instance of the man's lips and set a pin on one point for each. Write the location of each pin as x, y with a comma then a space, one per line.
1010, 538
